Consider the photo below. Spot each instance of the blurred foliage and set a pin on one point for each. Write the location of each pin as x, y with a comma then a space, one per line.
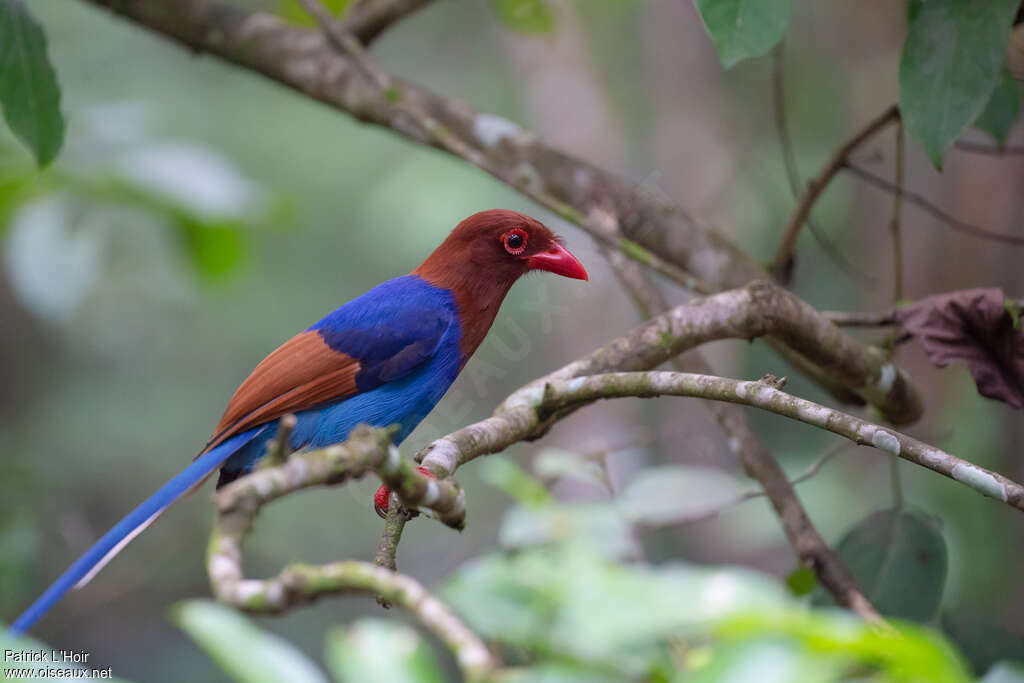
951, 63
61, 222
244, 651
29, 92
899, 560
293, 12
1003, 109
537, 606
525, 16
952, 71
379, 651
801, 581
741, 29
982, 642
666, 623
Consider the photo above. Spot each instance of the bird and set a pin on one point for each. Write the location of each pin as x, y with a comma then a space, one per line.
384, 358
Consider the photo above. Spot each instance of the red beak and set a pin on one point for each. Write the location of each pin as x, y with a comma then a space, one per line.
559, 261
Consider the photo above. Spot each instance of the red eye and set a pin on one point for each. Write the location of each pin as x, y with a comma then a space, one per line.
515, 241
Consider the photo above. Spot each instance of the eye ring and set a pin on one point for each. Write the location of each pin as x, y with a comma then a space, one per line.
514, 241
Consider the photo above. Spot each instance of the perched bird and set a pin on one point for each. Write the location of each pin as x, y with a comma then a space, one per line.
386, 357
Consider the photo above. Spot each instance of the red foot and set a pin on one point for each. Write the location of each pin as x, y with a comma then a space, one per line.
383, 495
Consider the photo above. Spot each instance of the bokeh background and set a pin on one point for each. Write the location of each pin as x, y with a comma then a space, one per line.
199, 215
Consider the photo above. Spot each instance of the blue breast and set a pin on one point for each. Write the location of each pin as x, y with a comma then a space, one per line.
406, 314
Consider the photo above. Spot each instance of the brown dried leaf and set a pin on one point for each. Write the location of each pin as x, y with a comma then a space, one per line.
973, 327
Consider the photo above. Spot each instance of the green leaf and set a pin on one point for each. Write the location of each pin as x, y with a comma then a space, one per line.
763, 659
949, 67
913, 8
906, 653
659, 495
507, 597
597, 524
292, 12
568, 599
245, 653
801, 581
28, 83
504, 474
379, 651
744, 28
13, 192
899, 560
983, 641
1013, 309
525, 16
1003, 109
214, 247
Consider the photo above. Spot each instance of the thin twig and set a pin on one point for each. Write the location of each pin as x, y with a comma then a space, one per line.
862, 318
796, 186
990, 150
279, 448
897, 290
894, 224
369, 18
711, 513
923, 203
387, 549
394, 523
782, 264
897, 483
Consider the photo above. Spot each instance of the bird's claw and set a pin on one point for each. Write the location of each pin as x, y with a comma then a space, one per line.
381, 499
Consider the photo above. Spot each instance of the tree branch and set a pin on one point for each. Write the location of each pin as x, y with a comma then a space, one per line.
924, 203
394, 524
528, 413
782, 264
654, 231
583, 390
796, 186
366, 450
300, 583
761, 308
758, 309
758, 462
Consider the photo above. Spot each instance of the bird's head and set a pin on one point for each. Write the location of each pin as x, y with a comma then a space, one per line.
478, 262
495, 248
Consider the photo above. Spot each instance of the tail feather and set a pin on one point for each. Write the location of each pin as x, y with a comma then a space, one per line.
113, 552
134, 523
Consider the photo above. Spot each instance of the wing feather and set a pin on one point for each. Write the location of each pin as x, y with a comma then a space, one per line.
339, 357
301, 373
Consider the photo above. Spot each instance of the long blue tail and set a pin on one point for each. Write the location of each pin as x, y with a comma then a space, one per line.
136, 520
